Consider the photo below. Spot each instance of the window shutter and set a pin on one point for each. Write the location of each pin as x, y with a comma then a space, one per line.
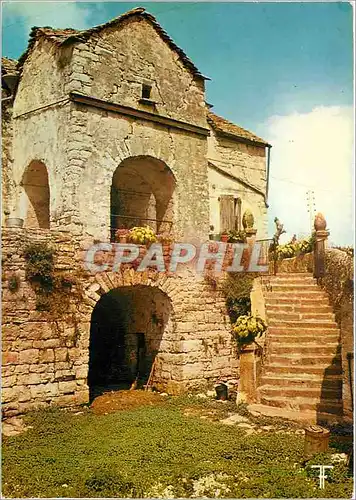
227, 213
238, 212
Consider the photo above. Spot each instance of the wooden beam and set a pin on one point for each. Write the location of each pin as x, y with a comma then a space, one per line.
137, 113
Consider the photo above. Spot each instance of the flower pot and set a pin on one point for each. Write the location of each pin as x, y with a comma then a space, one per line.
221, 392
14, 222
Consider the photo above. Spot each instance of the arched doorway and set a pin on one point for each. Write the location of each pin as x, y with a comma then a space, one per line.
142, 194
35, 198
127, 328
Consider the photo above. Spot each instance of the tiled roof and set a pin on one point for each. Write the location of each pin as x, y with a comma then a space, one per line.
67, 36
224, 127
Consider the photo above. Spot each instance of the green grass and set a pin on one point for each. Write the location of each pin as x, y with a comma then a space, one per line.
141, 452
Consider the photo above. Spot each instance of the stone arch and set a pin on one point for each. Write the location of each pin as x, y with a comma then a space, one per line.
149, 298
35, 196
142, 193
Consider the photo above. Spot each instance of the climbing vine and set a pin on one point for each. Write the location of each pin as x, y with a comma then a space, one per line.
236, 288
55, 290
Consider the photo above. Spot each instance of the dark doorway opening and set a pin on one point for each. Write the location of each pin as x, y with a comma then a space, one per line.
127, 327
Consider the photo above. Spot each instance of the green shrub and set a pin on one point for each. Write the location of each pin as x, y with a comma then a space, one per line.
237, 236
13, 283
295, 248
39, 264
108, 484
53, 289
247, 328
236, 289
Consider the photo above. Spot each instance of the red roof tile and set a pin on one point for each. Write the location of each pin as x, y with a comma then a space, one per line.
224, 127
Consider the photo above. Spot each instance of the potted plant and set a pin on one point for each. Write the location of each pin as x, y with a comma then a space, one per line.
224, 236
142, 235
121, 235
247, 328
236, 236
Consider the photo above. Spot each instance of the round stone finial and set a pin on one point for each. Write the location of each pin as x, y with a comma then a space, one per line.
248, 219
319, 222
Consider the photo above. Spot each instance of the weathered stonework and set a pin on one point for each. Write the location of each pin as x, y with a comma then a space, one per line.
339, 284
85, 154
236, 167
45, 357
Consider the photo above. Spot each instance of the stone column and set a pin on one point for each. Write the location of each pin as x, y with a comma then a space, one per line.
321, 236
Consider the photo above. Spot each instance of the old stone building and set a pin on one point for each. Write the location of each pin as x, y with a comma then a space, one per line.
104, 129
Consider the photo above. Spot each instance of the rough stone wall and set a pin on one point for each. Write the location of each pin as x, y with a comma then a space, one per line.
221, 185
339, 284
246, 161
243, 161
6, 164
45, 357
42, 136
43, 78
113, 139
300, 264
113, 65
83, 146
41, 355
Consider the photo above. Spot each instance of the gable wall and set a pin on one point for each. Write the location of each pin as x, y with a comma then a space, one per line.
43, 78
245, 161
114, 64
242, 160
221, 185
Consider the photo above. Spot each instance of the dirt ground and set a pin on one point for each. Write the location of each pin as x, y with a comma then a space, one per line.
124, 400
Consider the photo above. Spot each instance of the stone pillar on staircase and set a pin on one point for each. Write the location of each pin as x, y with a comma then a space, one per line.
251, 355
321, 236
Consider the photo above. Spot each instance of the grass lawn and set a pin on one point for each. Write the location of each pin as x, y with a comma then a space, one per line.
164, 450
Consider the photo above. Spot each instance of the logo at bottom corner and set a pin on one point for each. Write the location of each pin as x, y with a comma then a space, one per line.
322, 473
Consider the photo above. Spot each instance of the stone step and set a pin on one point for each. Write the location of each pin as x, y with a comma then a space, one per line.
298, 316
311, 348
316, 330
286, 278
303, 370
292, 275
317, 393
320, 382
325, 325
333, 406
300, 339
300, 309
295, 295
307, 416
292, 360
281, 285
293, 287
296, 301
303, 317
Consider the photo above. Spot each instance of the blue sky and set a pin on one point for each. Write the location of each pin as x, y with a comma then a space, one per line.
273, 66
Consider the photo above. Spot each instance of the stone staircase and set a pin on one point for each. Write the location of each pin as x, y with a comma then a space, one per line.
301, 376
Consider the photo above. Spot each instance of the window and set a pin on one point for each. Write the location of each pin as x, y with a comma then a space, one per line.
227, 213
230, 213
146, 91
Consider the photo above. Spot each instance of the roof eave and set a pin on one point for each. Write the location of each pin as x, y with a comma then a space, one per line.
244, 140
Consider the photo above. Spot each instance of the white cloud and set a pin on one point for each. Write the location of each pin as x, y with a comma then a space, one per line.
312, 151
26, 14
